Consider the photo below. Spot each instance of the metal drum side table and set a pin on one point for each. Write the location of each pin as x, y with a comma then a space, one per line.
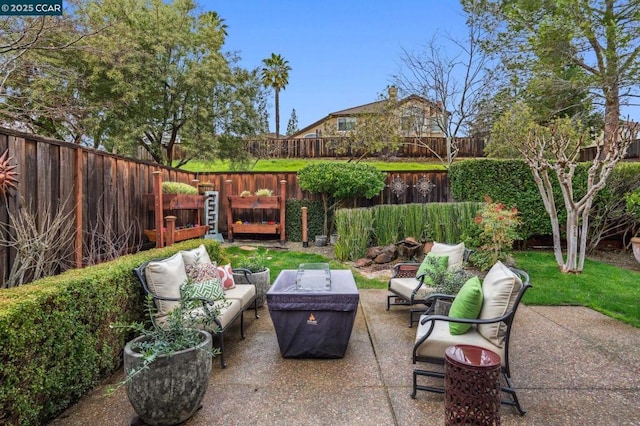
472, 386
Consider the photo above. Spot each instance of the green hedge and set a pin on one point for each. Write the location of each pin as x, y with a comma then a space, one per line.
55, 334
511, 182
315, 219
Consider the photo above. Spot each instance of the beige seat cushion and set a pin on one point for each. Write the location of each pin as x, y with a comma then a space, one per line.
242, 292
455, 253
404, 287
228, 311
500, 289
164, 278
440, 339
197, 255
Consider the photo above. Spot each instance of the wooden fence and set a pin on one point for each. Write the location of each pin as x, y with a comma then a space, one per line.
321, 148
99, 190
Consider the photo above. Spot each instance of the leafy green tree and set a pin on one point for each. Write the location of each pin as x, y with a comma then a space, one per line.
292, 125
556, 149
275, 74
38, 90
596, 43
338, 182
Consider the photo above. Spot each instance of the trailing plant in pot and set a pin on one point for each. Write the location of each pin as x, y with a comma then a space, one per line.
168, 366
256, 263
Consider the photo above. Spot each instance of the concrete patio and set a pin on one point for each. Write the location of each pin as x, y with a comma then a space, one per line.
571, 365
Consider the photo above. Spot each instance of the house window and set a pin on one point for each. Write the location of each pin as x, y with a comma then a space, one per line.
413, 121
436, 124
348, 123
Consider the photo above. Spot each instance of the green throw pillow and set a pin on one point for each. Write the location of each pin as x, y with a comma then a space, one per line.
208, 289
431, 266
467, 304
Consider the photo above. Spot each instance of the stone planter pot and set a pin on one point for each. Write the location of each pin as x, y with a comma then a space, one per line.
333, 239
262, 280
442, 307
635, 245
321, 240
171, 389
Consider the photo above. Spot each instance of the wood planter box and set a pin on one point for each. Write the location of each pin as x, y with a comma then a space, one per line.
177, 201
256, 228
179, 234
254, 202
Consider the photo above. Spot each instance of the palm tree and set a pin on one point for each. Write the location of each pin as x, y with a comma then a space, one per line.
276, 74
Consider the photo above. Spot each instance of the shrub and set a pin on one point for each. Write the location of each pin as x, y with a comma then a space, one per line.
55, 334
293, 223
264, 192
337, 182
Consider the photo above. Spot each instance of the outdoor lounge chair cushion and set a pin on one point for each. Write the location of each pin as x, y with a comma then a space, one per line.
242, 292
432, 265
500, 289
197, 255
455, 253
164, 278
467, 304
405, 286
440, 339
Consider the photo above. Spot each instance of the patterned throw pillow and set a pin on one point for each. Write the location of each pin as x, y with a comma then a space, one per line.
202, 271
204, 282
207, 289
431, 266
226, 277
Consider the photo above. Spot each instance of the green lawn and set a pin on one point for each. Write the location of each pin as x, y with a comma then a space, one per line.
285, 259
608, 289
605, 288
293, 165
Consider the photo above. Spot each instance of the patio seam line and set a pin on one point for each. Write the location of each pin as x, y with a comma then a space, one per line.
375, 355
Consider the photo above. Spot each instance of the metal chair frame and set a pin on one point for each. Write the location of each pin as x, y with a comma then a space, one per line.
507, 319
219, 331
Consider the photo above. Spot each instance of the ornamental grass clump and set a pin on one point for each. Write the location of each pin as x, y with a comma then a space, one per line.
178, 188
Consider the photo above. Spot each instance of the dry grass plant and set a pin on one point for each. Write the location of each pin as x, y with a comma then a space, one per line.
41, 240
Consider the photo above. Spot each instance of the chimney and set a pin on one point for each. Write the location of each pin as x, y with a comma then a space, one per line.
393, 93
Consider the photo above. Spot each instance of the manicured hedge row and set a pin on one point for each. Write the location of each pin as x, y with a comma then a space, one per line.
511, 182
315, 219
56, 343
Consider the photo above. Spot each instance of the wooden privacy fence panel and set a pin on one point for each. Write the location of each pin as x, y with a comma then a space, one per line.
110, 188
321, 148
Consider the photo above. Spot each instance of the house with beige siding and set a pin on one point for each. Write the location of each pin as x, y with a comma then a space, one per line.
417, 117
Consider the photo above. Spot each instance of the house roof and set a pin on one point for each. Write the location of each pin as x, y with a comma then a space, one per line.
372, 107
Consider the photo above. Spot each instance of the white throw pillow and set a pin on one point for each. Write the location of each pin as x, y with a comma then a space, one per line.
455, 253
164, 278
197, 255
499, 290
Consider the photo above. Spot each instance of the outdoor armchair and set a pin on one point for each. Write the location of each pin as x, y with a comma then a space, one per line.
407, 287
502, 291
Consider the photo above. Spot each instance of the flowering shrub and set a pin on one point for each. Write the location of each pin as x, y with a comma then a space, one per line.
497, 230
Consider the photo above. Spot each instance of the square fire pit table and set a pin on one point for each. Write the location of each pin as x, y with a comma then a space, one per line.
313, 323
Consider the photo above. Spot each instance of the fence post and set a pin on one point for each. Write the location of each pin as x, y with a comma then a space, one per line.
78, 208
305, 236
157, 207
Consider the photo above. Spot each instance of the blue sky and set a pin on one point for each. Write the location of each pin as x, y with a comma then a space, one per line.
343, 53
